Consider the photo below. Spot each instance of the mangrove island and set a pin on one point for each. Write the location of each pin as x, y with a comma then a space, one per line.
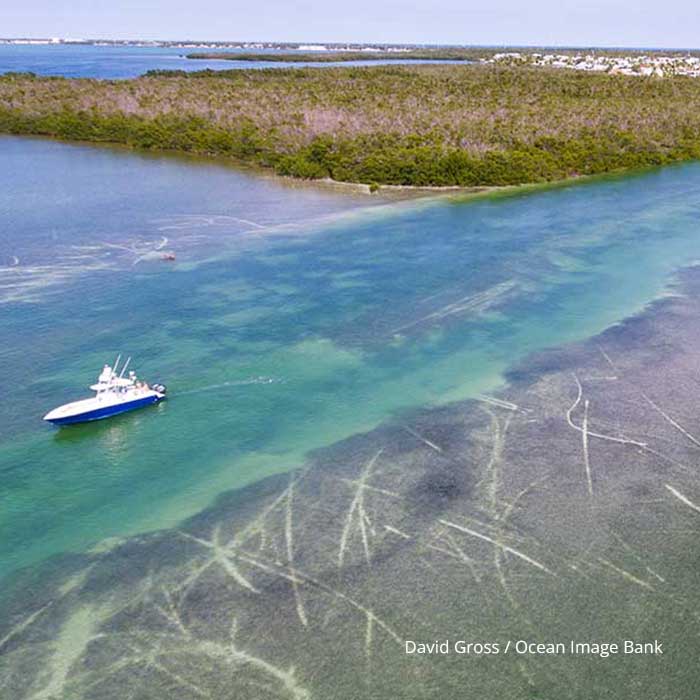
482, 124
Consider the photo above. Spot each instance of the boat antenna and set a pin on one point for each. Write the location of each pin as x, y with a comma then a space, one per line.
126, 364
116, 364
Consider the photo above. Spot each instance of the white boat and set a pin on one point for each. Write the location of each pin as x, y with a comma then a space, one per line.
114, 394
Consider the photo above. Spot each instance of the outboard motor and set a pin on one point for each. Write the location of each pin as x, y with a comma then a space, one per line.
160, 388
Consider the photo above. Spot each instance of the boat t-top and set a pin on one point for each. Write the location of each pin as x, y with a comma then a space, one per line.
114, 394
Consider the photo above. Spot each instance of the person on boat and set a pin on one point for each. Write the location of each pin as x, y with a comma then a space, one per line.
105, 375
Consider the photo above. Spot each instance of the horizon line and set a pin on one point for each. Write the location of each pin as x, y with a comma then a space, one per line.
93, 40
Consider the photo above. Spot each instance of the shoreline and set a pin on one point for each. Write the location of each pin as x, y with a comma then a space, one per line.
389, 191
427, 55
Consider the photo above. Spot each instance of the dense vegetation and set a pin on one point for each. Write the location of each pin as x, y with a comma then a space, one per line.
419, 125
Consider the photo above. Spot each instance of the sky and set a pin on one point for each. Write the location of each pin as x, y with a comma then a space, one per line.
638, 23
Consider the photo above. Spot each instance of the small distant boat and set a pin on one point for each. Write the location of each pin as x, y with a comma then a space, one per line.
114, 394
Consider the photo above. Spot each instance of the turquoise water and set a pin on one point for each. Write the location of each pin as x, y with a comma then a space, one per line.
109, 62
293, 317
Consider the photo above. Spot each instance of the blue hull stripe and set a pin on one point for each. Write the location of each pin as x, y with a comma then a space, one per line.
106, 412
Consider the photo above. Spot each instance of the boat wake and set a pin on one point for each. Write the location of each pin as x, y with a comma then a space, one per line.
178, 222
31, 283
226, 385
38, 277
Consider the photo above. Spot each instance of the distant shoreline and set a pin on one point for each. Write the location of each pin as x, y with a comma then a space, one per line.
344, 56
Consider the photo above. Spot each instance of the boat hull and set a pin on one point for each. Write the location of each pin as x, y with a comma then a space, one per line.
104, 411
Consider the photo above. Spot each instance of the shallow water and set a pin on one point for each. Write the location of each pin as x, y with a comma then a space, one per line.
293, 317
113, 62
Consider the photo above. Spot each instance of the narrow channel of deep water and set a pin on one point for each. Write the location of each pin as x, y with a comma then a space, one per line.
292, 317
